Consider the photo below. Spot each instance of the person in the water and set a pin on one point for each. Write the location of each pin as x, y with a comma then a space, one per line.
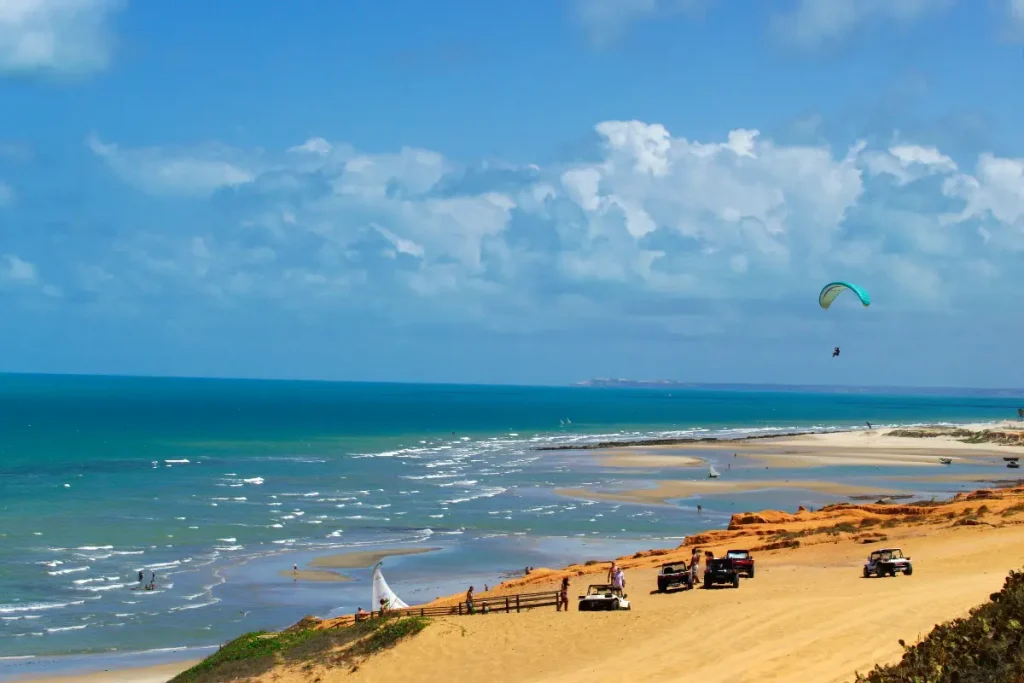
835, 352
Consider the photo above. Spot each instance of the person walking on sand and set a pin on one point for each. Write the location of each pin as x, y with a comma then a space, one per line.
695, 567
619, 580
469, 600
563, 595
611, 571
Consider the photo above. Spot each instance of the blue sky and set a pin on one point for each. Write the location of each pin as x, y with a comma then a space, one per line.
531, 192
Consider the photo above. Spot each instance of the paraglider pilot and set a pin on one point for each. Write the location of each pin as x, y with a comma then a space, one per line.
835, 352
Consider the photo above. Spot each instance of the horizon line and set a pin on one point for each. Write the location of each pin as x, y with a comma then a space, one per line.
593, 383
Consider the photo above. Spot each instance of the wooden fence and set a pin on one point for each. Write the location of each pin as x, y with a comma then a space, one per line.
502, 603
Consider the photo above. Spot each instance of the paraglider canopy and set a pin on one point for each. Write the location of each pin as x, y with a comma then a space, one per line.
833, 289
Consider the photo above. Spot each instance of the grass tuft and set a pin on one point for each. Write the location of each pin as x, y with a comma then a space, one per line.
254, 654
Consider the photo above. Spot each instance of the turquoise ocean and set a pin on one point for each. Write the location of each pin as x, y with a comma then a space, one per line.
218, 485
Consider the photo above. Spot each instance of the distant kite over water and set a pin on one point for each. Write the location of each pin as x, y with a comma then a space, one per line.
833, 289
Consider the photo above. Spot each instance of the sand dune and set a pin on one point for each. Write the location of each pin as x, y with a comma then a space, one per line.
668, 490
808, 616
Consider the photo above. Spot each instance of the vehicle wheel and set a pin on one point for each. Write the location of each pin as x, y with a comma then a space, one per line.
867, 573
910, 570
751, 572
707, 584
736, 581
661, 588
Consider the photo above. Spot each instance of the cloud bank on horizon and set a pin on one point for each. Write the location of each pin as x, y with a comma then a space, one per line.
217, 255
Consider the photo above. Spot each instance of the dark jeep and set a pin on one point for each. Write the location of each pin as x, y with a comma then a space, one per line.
674, 574
721, 570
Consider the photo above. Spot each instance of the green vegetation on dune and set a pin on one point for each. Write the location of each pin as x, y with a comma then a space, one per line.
985, 647
256, 653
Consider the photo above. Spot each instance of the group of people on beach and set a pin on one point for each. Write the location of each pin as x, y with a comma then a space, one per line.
152, 581
695, 564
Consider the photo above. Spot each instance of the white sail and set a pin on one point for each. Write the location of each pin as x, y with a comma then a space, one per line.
712, 472
381, 590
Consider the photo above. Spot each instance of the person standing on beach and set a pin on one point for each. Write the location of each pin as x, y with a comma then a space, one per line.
695, 567
469, 600
619, 580
611, 572
563, 595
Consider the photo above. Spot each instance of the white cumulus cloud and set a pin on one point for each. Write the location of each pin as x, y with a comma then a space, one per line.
813, 23
66, 36
7, 194
197, 172
14, 269
650, 220
606, 20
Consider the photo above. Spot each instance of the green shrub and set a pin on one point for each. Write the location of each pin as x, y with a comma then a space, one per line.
985, 647
254, 654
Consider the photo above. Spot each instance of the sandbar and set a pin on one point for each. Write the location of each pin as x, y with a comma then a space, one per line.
360, 559
313, 575
149, 674
646, 458
875, 447
665, 491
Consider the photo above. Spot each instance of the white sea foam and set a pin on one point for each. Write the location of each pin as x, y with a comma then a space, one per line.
166, 565
60, 629
183, 461
70, 570
255, 481
105, 587
198, 605
16, 607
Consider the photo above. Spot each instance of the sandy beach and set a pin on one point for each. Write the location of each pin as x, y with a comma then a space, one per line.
312, 575
150, 674
668, 490
876, 447
646, 457
807, 616
361, 559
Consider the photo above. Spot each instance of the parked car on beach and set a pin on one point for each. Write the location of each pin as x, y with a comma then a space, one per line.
721, 570
672, 574
603, 597
743, 561
887, 561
